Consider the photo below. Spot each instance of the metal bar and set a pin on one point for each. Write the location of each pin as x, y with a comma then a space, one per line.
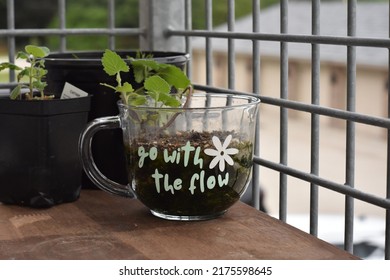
310, 108
188, 26
311, 39
350, 135
292, 38
146, 22
230, 57
209, 47
188, 46
111, 22
156, 16
62, 19
256, 47
11, 39
70, 31
315, 120
387, 232
231, 48
331, 185
8, 85
283, 111
256, 89
330, 112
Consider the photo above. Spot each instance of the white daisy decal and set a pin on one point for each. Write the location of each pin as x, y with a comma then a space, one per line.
221, 153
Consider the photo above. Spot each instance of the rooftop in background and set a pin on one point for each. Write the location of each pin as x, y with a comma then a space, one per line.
333, 21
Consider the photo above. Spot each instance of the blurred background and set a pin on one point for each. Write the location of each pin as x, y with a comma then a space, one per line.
93, 14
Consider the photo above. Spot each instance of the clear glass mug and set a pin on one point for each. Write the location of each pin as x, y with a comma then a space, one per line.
188, 163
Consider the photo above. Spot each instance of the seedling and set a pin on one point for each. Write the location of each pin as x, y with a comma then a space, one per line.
35, 72
156, 84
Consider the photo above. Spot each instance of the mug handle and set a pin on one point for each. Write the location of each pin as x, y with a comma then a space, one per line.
90, 168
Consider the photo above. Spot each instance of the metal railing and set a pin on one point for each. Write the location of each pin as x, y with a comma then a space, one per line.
167, 25
350, 42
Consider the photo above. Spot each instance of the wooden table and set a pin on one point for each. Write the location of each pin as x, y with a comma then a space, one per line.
102, 226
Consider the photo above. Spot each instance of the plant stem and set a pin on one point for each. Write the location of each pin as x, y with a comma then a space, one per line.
30, 77
186, 104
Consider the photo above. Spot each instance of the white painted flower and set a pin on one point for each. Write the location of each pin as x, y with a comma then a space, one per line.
221, 153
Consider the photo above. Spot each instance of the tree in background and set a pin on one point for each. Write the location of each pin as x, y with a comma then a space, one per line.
79, 14
29, 14
94, 14
220, 12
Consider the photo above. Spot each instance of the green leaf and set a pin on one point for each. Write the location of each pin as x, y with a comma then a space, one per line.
151, 117
157, 84
36, 51
139, 74
38, 73
165, 98
39, 85
154, 95
22, 55
174, 76
113, 63
135, 99
169, 100
142, 68
142, 55
16, 92
11, 66
146, 63
125, 88
41, 63
24, 73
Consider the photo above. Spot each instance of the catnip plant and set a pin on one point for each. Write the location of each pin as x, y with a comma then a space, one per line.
156, 84
34, 72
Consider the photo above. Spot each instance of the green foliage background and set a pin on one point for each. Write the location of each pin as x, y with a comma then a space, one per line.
93, 14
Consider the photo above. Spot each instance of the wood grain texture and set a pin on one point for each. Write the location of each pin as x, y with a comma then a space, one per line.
102, 226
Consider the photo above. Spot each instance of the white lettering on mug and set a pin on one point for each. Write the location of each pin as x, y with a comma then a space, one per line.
181, 156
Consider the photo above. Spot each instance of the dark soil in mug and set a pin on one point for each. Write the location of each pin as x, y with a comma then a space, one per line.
189, 173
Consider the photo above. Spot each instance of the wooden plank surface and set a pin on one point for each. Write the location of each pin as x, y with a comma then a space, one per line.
102, 226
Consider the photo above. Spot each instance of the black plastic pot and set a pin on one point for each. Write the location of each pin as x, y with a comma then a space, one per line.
85, 71
39, 163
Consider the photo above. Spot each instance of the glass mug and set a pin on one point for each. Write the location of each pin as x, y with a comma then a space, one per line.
189, 163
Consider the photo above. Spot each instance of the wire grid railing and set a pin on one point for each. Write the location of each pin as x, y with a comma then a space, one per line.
175, 32
350, 41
